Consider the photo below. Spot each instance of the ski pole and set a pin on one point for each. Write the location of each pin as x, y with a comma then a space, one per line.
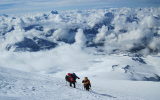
90, 88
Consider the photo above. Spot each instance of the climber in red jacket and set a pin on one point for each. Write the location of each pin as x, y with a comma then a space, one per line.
71, 80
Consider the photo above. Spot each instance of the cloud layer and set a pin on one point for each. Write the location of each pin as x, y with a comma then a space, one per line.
81, 36
124, 29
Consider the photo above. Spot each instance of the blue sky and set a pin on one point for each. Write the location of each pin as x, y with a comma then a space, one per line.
26, 6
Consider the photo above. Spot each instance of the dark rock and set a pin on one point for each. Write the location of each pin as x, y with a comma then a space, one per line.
49, 33
54, 12
109, 15
139, 60
131, 19
126, 68
154, 78
113, 67
73, 30
37, 27
45, 16
4, 15
66, 40
32, 45
11, 29
123, 31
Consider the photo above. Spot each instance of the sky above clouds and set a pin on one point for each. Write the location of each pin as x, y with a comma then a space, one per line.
26, 6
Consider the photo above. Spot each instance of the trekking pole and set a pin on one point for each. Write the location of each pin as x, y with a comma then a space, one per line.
90, 89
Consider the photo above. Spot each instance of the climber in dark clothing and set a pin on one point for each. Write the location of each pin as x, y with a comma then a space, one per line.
87, 83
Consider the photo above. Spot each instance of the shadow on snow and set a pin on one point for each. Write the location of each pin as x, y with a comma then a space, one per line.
103, 94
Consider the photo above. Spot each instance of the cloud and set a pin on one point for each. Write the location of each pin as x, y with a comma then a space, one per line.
150, 21
101, 35
155, 44
72, 25
80, 38
145, 51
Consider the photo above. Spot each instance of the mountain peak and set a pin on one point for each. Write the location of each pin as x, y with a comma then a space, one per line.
54, 12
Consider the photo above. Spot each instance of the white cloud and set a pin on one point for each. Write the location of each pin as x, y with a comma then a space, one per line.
80, 38
155, 44
101, 35
150, 21
62, 23
145, 51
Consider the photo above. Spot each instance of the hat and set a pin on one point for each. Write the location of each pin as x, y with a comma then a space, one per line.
85, 78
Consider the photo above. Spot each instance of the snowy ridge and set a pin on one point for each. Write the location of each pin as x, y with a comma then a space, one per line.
19, 85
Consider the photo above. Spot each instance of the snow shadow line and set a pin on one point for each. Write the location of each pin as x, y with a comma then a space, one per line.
96, 92
103, 94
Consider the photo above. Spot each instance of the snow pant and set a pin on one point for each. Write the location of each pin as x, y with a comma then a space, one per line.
73, 84
87, 87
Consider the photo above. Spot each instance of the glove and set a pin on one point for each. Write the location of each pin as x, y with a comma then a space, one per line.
78, 78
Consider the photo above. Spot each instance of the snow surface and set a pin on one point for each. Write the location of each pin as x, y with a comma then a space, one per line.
108, 83
19, 85
114, 72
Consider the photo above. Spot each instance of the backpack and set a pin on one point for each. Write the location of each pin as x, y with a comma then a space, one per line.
67, 78
74, 75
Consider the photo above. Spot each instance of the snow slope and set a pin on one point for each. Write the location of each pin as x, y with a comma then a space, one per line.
19, 85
